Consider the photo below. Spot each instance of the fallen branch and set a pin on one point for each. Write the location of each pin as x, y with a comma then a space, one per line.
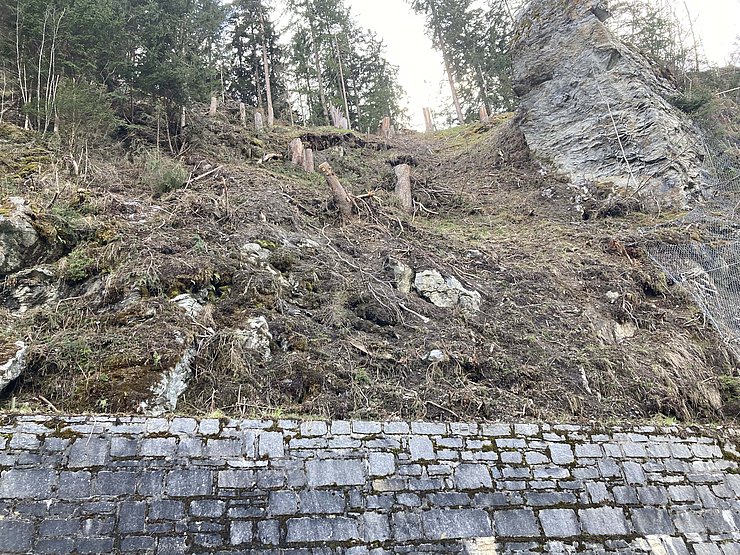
47, 403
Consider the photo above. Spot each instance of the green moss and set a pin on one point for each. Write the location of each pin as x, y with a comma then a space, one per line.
78, 266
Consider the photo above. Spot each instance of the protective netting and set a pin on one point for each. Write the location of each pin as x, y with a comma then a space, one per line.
709, 265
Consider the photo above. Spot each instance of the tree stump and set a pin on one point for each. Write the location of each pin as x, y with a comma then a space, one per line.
243, 114
296, 152
259, 121
484, 117
403, 186
341, 198
214, 106
308, 161
385, 127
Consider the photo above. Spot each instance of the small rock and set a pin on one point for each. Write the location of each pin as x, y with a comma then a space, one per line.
612, 296
31, 288
13, 367
402, 274
191, 305
256, 254
436, 356
19, 239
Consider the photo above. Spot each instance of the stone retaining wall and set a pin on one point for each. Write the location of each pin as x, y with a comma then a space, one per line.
137, 485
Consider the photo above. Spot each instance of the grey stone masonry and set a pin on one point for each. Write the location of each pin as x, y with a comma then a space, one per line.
86, 484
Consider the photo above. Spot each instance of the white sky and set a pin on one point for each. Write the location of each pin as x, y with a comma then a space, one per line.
717, 24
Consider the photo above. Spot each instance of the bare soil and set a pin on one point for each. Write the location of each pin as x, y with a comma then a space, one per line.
576, 323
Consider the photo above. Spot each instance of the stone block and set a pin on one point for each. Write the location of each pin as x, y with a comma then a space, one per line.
158, 446
335, 472
406, 526
90, 546
27, 484
472, 477
115, 483
421, 448
381, 464
429, 428
559, 523
366, 428
189, 483
652, 521
561, 453
207, 508
282, 503
88, 452
240, 532
314, 428
516, 523
166, 509
51, 546
306, 530
375, 527
456, 523
137, 544
271, 445
237, 479
322, 502
268, 532
123, 447
131, 517
58, 528
605, 521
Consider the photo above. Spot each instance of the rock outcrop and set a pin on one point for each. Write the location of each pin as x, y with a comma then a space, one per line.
14, 366
446, 293
599, 109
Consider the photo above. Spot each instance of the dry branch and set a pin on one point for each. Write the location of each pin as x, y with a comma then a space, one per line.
341, 198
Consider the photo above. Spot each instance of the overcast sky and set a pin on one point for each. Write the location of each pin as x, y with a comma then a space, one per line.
420, 66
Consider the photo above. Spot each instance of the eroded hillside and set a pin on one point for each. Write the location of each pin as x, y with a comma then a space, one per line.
234, 278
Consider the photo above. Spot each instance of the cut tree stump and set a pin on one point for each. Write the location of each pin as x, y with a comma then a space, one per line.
403, 186
308, 160
214, 106
296, 152
385, 127
341, 198
243, 114
259, 121
484, 117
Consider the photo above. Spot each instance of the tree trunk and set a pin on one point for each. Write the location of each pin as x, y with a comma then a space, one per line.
319, 76
296, 152
403, 186
183, 120
448, 65
308, 161
428, 121
341, 198
344, 88
259, 122
214, 105
268, 83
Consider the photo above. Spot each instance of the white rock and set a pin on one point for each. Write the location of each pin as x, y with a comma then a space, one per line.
436, 356
192, 306
446, 293
14, 367
171, 386
403, 275
257, 337
612, 296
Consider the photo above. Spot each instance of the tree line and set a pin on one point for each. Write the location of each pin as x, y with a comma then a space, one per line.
172, 53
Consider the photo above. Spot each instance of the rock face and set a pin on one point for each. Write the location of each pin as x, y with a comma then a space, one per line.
599, 109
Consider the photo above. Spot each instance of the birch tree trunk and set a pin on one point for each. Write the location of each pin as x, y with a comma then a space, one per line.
428, 121
319, 76
341, 198
484, 117
344, 88
403, 186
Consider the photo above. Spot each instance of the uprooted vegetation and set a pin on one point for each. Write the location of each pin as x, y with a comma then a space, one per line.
575, 322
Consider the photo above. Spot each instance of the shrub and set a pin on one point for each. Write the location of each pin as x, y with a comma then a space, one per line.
164, 175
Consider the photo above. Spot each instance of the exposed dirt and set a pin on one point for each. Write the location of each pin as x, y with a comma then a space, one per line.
576, 323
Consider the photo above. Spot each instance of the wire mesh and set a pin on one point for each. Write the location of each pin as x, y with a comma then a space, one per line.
709, 269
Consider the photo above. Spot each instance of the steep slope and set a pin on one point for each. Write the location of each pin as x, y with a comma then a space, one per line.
241, 292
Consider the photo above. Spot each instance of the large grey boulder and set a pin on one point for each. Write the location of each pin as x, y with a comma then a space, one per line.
599, 109
19, 239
